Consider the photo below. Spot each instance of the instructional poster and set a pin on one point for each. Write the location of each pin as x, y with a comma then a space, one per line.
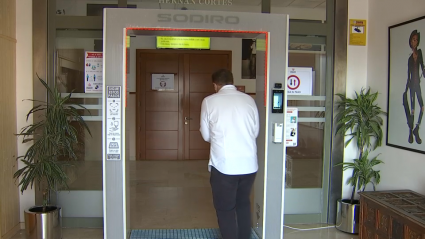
93, 71
300, 81
162, 81
113, 123
291, 127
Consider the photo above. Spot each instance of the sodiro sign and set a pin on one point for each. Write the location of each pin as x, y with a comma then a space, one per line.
163, 17
198, 2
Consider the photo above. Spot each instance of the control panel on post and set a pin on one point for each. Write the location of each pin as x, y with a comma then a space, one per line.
277, 98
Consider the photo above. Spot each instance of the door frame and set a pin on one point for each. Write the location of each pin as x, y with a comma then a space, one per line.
271, 72
140, 93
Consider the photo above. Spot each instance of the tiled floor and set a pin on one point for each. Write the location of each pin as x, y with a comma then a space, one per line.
169, 195
329, 233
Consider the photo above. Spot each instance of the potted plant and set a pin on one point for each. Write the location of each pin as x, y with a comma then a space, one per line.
54, 140
359, 119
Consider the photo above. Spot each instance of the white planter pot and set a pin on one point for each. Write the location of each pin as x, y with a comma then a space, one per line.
43, 225
348, 215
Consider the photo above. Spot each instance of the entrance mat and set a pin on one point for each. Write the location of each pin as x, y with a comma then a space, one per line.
179, 234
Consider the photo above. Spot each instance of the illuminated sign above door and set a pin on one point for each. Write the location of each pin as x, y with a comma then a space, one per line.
166, 42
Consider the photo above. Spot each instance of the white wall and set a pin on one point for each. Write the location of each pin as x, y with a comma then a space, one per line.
368, 66
24, 84
402, 169
356, 77
78, 8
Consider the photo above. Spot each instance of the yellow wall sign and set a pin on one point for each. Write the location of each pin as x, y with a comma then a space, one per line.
183, 42
357, 32
127, 41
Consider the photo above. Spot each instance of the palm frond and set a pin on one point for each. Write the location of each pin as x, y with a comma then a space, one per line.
53, 137
360, 120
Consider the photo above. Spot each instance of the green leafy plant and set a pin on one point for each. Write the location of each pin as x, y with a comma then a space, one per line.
54, 140
360, 119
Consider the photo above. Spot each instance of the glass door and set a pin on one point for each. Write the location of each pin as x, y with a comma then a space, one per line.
305, 195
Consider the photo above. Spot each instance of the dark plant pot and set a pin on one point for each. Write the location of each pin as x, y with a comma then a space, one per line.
348, 214
43, 225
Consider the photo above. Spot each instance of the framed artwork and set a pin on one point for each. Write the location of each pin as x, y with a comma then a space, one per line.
249, 58
406, 72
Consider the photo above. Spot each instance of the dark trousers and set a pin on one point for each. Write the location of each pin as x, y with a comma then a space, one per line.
231, 196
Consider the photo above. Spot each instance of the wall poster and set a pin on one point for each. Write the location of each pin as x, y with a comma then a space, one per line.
93, 72
406, 72
113, 123
291, 127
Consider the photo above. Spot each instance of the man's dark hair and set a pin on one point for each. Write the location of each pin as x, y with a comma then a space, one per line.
222, 77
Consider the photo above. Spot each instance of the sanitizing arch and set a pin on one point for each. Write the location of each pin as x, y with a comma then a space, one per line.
271, 29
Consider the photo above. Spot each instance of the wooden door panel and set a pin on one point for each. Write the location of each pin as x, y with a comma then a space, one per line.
161, 154
162, 133
162, 140
162, 101
208, 63
159, 127
195, 121
196, 141
201, 67
162, 120
162, 63
199, 154
201, 83
196, 101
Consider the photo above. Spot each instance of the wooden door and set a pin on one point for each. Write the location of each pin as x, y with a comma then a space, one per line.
167, 122
198, 85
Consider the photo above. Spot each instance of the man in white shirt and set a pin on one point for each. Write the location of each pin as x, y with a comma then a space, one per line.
229, 121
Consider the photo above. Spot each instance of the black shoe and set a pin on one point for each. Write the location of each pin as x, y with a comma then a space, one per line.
410, 136
416, 133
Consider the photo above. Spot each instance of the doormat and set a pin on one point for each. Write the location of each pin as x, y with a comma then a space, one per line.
179, 234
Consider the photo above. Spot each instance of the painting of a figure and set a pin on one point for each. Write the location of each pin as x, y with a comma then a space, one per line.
405, 90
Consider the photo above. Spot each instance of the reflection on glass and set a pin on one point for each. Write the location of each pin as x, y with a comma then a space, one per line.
85, 174
305, 162
70, 74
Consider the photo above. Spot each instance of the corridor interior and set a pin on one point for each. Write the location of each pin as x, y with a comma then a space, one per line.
176, 193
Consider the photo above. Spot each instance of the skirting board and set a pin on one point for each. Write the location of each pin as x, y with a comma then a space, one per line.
14, 230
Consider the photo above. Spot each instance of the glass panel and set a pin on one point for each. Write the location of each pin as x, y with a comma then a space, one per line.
305, 162
85, 181
308, 10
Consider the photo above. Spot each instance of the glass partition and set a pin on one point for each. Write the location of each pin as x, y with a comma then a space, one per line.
304, 163
82, 204
306, 10
304, 192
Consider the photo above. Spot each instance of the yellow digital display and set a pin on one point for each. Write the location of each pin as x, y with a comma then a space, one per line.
183, 42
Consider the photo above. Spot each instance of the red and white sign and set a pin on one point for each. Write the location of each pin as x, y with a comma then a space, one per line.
300, 81
93, 72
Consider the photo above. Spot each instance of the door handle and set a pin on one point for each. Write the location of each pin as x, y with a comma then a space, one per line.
187, 118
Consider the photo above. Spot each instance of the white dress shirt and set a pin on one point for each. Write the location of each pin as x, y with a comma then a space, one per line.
229, 121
